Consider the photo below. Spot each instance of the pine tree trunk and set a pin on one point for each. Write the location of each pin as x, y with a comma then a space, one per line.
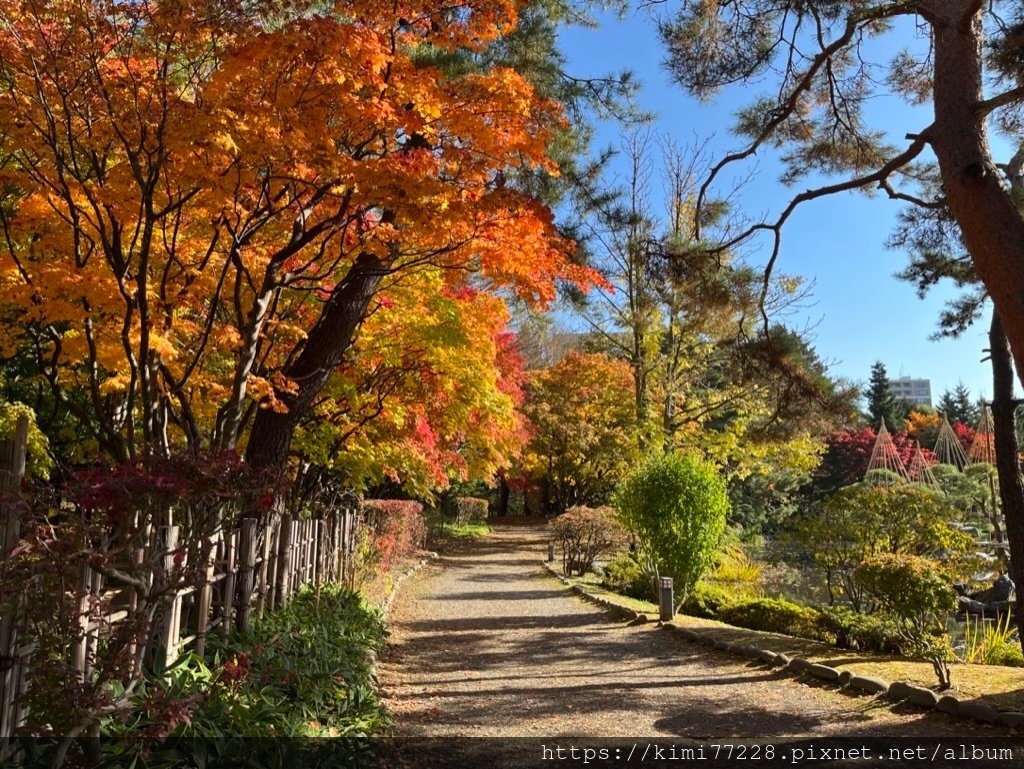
989, 219
1011, 483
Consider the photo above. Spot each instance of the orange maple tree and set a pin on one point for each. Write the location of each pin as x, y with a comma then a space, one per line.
202, 201
429, 393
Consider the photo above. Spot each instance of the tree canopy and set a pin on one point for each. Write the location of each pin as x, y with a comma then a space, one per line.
205, 202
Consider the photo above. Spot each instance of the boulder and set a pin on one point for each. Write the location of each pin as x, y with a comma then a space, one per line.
869, 684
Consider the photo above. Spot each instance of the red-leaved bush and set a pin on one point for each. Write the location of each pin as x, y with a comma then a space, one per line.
89, 579
391, 529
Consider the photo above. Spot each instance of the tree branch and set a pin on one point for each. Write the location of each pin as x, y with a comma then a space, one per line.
879, 177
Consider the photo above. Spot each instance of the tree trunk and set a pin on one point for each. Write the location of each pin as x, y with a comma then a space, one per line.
1011, 483
503, 494
991, 224
322, 351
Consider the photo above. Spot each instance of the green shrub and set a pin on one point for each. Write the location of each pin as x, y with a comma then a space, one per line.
989, 643
706, 600
1006, 653
775, 615
677, 505
627, 576
850, 629
916, 592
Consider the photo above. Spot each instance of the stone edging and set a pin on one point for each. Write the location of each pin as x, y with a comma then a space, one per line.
385, 606
898, 691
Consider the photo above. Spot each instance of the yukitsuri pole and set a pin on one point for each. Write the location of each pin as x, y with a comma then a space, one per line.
12, 471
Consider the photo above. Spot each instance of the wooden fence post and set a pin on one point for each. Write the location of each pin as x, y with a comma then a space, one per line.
343, 564
12, 669
320, 550
284, 561
228, 603
246, 566
205, 595
171, 630
264, 584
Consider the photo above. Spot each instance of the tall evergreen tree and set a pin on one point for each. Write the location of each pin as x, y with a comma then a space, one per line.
957, 405
882, 402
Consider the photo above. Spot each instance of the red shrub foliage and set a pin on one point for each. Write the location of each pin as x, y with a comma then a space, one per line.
392, 529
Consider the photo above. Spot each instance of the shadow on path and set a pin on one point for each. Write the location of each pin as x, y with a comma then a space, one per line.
486, 643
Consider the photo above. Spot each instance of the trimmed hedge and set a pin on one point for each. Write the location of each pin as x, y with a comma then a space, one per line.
775, 615
849, 629
705, 600
837, 625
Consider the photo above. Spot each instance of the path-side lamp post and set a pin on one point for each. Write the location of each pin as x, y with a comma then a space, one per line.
666, 604
551, 551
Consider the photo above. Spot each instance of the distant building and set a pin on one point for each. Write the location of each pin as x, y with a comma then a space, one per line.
917, 391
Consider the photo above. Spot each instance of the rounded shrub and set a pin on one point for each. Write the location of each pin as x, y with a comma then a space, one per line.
677, 506
851, 629
775, 615
585, 533
471, 510
627, 576
706, 600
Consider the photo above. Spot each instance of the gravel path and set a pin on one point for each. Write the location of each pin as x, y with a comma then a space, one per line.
485, 643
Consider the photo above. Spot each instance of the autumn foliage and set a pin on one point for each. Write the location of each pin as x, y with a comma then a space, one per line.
847, 452
204, 203
391, 529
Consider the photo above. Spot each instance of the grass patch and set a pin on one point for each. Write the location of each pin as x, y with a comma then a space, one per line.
999, 686
465, 530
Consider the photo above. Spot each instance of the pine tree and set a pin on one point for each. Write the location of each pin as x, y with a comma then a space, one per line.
882, 403
958, 406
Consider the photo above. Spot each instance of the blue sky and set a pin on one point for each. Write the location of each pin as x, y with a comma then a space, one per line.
860, 312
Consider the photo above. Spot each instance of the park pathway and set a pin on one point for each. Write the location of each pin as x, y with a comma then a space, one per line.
486, 643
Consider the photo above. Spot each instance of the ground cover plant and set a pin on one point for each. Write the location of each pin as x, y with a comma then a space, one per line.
301, 672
